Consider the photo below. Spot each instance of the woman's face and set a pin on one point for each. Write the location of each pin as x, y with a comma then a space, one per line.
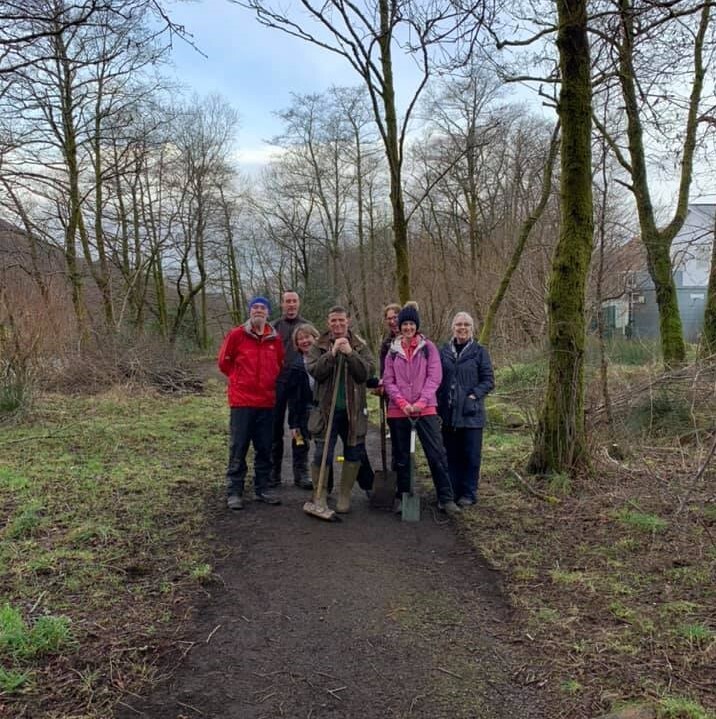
461, 329
408, 330
391, 322
304, 342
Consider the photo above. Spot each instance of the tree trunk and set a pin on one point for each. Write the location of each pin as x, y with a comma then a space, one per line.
394, 156
560, 443
708, 341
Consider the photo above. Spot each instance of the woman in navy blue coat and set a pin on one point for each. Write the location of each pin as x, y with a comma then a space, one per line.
467, 379
300, 396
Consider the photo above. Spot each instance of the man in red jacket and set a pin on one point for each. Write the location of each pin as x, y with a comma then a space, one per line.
251, 357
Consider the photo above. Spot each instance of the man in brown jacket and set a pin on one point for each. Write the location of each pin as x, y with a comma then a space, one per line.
350, 421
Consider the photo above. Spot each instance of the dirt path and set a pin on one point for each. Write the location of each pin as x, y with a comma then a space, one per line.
369, 618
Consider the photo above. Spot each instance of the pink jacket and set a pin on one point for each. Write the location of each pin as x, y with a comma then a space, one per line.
412, 381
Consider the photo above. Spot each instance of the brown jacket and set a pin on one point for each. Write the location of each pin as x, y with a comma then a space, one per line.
357, 367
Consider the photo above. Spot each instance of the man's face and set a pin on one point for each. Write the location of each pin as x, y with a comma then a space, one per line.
258, 314
391, 322
290, 304
338, 324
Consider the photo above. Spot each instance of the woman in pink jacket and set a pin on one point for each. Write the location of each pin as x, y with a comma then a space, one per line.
411, 378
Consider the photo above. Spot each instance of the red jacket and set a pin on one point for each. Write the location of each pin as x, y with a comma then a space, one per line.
252, 365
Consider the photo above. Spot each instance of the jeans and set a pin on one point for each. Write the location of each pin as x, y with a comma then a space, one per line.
249, 425
340, 429
428, 430
464, 453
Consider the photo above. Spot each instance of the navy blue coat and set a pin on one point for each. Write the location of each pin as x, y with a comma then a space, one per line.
300, 395
469, 373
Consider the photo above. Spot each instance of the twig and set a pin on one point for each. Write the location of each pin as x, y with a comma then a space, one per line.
323, 674
268, 696
447, 671
414, 702
332, 692
189, 706
213, 631
532, 491
697, 478
129, 706
39, 599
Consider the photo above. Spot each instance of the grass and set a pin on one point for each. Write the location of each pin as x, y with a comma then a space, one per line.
612, 589
681, 708
642, 521
106, 500
47, 635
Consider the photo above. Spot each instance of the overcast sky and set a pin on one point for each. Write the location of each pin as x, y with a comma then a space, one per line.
256, 69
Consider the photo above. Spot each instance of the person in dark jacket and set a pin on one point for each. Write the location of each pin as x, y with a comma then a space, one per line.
467, 379
300, 394
286, 326
251, 357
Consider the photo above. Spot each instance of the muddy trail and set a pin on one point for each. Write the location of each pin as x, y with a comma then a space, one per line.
371, 617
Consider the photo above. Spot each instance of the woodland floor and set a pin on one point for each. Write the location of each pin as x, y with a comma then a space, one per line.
370, 617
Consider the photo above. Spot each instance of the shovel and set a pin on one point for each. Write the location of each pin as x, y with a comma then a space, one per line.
410, 505
316, 507
385, 481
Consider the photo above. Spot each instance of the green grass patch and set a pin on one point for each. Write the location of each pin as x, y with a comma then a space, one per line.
106, 500
12, 681
570, 686
26, 522
643, 521
18, 640
681, 708
521, 375
697, 634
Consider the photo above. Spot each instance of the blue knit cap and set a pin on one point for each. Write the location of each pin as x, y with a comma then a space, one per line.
409, 314
260, 300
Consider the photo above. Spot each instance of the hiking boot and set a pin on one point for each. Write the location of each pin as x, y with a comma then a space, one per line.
465, 502
233, 501
303, 483
450, 508
267, 498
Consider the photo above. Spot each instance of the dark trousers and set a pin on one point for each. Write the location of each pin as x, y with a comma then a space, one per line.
464, 453
340, 428
249, 425
299, 452
428, 430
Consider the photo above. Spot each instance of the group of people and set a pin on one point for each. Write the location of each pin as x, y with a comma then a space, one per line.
289, 365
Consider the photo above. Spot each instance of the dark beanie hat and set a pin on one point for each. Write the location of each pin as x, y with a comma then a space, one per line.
409, 314
260, 300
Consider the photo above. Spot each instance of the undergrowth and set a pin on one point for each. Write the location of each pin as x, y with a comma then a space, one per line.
105, 500
612, 572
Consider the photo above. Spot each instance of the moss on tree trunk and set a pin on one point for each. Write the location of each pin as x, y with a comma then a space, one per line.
560, 444
709, 336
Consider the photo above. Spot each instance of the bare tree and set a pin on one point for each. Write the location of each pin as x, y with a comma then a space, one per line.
647, 45
366, 34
